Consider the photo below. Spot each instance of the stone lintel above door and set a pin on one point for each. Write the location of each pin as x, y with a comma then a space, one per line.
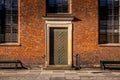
58, 17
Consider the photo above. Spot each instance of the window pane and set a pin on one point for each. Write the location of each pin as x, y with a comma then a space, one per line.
57, 6
103, 37
8, 20
109, 20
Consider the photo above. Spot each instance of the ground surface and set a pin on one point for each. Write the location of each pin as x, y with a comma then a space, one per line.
83, 74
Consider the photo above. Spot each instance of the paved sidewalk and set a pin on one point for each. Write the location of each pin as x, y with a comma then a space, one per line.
59, 75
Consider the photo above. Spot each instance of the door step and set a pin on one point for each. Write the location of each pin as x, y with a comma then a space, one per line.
59, 68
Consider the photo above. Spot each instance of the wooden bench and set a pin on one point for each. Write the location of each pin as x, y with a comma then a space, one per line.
104, 63
17, 63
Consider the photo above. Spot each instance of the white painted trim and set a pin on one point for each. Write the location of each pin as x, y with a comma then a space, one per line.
58, 22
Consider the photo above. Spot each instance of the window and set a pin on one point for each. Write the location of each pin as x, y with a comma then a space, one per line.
109, 18
8, 21
57, 6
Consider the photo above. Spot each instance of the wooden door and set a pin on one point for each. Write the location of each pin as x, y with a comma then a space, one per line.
58, 46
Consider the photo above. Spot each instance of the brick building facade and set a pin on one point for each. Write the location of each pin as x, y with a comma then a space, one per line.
80, 25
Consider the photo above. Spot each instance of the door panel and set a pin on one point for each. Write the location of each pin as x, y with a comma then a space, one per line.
58, 46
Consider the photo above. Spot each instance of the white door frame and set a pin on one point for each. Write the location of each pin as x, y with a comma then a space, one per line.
59, 24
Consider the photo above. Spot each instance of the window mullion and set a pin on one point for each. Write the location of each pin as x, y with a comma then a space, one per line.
113, 25
119, 23
11, 15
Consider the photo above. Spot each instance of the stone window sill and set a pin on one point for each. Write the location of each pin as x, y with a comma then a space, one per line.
110, 45
9, 44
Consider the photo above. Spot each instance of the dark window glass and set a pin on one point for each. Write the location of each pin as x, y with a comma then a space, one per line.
109, 21
8, 21
57, 6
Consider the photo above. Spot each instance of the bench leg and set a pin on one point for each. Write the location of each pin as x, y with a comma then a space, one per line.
102, 66
16, 65
21, 65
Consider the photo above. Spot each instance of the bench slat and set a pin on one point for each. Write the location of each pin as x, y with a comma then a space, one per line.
9, 61
110, 62
12, 61
103, 62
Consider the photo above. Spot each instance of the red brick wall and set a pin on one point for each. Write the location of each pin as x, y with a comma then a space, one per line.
32, 34
85, 34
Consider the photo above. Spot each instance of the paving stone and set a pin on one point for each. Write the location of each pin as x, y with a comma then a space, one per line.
84, 78
14, 78
42, 78
4, 78
57, 78
68, 77
76, 78
58, 75
46, 72
70, 72
61, 71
